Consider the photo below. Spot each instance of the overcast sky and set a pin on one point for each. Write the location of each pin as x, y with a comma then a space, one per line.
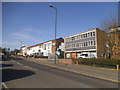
30, 23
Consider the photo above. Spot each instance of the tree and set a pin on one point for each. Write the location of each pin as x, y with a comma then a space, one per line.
5, 50
112, 28
15, 52
110, 23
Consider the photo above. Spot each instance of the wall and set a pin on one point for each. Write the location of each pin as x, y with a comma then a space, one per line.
101, 40
67, 61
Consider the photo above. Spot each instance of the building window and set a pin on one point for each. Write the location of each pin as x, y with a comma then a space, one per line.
94, 33
77, 45
82, 44
91, 43
88, 34
73, 38
86, 43
91, 34
40, 46
73, 45
79, 36
49, 44
44, 46
83, 35
94, 43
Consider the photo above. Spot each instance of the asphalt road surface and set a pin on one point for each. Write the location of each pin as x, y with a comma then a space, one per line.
19, 73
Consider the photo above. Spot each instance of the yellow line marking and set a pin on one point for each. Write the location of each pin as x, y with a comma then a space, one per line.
99, 67
83, 73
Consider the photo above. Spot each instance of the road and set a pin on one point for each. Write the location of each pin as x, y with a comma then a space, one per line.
19, 73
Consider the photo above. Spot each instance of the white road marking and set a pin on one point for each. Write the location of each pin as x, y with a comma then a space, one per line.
24, 65
30, 67
5, 86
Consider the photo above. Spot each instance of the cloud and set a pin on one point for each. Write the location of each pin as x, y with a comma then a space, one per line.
11, 44
27, 35
32, 30
23, 36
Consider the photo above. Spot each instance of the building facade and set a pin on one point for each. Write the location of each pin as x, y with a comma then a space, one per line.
45, 48
24, 50
89, 43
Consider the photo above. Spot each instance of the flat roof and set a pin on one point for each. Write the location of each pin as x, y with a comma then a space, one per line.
83, 32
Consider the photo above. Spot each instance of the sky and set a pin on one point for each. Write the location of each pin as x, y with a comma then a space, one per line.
30, 23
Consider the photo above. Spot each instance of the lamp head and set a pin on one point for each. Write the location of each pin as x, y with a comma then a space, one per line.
50, 5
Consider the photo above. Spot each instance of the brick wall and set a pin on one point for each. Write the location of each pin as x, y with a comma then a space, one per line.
68, 61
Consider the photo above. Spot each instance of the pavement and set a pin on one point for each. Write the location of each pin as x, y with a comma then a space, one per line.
22, 73
102, 73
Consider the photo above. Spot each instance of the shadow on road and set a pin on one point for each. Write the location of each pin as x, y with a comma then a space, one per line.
17, 58
11, 74
6, 65
6, 59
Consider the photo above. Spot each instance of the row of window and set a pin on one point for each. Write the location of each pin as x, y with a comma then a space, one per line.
81, 36
45, 45
82, 44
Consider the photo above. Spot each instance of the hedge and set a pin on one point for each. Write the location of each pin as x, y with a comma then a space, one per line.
100, 62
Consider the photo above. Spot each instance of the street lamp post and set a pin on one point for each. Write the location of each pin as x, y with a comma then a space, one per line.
55, 29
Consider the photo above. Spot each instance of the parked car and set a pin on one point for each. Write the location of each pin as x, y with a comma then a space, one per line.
5, 56
37, 55
83, 56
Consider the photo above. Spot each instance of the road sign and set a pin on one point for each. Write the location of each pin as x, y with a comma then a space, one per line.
53, 44
57, 52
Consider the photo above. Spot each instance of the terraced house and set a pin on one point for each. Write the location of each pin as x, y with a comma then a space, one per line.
87, 44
